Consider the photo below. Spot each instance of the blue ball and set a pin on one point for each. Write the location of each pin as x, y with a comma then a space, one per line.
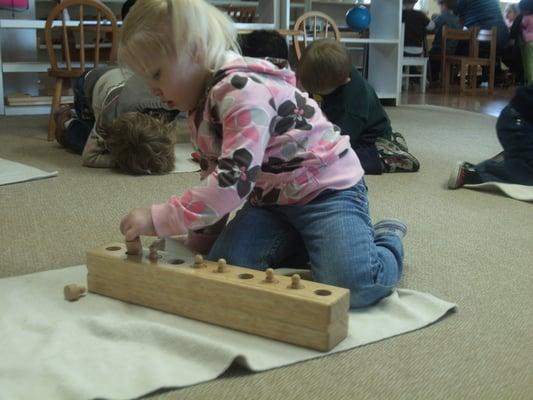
358, 18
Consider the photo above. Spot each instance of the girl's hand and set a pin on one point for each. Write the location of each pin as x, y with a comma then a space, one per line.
138, 222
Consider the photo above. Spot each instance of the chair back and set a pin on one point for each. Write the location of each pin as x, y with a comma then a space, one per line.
460, 35
487, 36
313, 25
79, 28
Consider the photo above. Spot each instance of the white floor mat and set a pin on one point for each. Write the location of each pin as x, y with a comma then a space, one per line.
518, 192
184, 161
103, 348
14, 172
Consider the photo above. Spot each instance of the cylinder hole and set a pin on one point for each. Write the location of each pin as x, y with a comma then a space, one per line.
246, 276
113, 248
322, 292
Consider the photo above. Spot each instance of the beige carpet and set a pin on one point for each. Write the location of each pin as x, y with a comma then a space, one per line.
469, 247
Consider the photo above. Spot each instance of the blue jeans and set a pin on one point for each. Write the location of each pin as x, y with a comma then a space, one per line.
333, 232
515, 134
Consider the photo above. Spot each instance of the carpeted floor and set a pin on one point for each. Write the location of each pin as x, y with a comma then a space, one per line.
468, 247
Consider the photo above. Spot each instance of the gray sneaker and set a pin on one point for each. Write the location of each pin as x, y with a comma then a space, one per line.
398, 139
394, 158
390, 227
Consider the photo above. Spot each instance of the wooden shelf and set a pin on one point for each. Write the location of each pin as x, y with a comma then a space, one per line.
24, 101
34, 66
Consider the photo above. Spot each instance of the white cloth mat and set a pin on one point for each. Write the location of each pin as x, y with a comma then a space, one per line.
184, 161
14, 172
103, 348
518, 192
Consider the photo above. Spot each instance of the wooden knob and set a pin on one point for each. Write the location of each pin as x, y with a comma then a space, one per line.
153, 256
270, 276
73, 292
134, 246
295, 282
221, 265
199, 261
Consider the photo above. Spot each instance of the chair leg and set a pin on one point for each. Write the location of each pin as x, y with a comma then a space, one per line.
446, 78
462, 79
406, 78
56, 101
472, 76
424, 77
492, 76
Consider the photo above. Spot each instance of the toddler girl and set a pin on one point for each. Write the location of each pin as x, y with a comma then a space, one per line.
264, 144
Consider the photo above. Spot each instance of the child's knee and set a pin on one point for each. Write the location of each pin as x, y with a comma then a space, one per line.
364, 297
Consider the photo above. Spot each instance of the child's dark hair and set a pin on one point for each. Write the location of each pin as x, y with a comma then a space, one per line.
450, 4
325, 65
141, 144
263, 43
526, 6
126, 8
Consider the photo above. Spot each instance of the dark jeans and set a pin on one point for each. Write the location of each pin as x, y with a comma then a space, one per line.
78, 131
516, 137
369, 158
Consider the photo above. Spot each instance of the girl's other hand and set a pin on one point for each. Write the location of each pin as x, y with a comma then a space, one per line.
138, 222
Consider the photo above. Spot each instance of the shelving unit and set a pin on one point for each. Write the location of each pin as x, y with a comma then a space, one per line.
384, 69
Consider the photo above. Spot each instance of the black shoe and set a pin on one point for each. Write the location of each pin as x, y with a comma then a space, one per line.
464, 173
394, 158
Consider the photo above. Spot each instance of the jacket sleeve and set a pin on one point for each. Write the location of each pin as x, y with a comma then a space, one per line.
95, 153
245, 109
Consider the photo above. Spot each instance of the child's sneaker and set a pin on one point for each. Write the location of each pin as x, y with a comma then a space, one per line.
399, 140
394, 158
390, 227
464, 173
62, 115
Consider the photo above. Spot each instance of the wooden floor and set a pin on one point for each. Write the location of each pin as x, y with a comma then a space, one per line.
482, 103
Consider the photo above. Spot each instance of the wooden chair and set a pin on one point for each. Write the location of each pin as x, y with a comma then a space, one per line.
420, 62
468, 64
80, 43
313, 25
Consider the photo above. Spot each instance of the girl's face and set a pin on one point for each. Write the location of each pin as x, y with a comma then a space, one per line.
178, 82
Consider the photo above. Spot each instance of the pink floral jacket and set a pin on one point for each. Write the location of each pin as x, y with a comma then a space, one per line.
260, 139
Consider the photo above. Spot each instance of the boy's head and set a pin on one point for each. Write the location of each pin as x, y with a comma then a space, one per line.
324, 66
142, 144
444, 5
409, 4
263, 43
126, 8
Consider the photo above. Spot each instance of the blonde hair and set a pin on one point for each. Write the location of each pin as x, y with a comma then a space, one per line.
325, 65
166, 28
141, 144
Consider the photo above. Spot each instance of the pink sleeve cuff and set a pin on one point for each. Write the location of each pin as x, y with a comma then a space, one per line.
166, 220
